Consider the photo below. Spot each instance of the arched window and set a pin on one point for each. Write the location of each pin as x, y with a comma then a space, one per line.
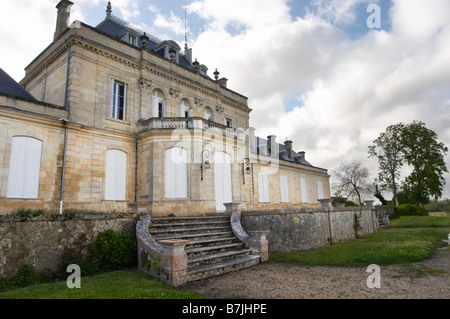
185, 109
24, 167
207, 114
158, 104
116, 175
176, 173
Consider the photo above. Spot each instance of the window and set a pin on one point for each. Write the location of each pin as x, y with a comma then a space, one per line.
303, 190
158, 104
132, 40
24, 167
176, 173
284, 189
207, 113
116, 175
263, 186
185, 110
118, 100
229, 122
319, 190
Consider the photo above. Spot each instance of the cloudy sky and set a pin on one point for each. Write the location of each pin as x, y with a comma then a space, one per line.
313, 70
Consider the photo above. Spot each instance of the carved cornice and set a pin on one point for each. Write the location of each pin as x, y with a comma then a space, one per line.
75, 40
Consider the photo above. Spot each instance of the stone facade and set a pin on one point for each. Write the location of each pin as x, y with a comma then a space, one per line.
74, 78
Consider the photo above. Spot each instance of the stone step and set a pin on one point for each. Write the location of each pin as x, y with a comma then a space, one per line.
215, 269
166, 226
216, 258
213, 248
197, 236
184, 231
201, 251
205, 242
170, 220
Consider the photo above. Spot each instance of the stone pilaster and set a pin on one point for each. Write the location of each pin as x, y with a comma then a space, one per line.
174, 262
259, 243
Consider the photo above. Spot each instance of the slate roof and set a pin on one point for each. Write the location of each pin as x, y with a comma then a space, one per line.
115, 28
9, 86
261, 148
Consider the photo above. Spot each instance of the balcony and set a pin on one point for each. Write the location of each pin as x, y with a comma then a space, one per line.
198, 123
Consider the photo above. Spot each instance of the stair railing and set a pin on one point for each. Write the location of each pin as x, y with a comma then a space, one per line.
255, 240
166, 260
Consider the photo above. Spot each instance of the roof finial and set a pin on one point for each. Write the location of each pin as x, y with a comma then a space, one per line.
108, 10
185, 29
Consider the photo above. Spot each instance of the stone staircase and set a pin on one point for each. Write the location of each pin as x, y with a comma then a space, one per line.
213, 249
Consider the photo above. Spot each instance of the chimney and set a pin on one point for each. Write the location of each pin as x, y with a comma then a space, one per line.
302, 155
222, 82
62, 20
288, 147
271, 145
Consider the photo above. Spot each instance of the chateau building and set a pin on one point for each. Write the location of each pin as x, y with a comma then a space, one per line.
109, 118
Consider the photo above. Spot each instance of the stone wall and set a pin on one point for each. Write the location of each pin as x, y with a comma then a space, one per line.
41, 240
308, 228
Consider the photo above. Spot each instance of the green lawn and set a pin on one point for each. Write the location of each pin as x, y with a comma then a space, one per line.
421, 221
390, 246
126, 284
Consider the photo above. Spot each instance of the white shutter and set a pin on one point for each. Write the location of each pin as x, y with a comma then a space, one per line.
24, 168
284, 189
319, 190
263, 186
303, 190
176, 173
155, 101
222, 180
183, 110
116, 175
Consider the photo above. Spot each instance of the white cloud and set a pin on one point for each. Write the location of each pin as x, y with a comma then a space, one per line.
339, 12
172, 23
250, 13
351, 89
25, 30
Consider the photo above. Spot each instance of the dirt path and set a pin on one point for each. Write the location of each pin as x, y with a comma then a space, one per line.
421, 280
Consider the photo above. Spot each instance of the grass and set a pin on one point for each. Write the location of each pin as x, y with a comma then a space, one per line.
391, 246
124, 284
420, 221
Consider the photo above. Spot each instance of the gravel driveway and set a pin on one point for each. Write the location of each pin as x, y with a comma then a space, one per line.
421, 280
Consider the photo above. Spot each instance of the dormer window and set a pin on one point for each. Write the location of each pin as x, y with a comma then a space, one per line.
132, 39
168, 49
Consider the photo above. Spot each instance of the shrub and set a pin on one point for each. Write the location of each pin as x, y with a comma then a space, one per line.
113, 250
410, 210
26, 212
26, 276
349, 203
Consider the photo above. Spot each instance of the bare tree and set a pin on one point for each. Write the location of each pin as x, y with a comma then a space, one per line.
352, 180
